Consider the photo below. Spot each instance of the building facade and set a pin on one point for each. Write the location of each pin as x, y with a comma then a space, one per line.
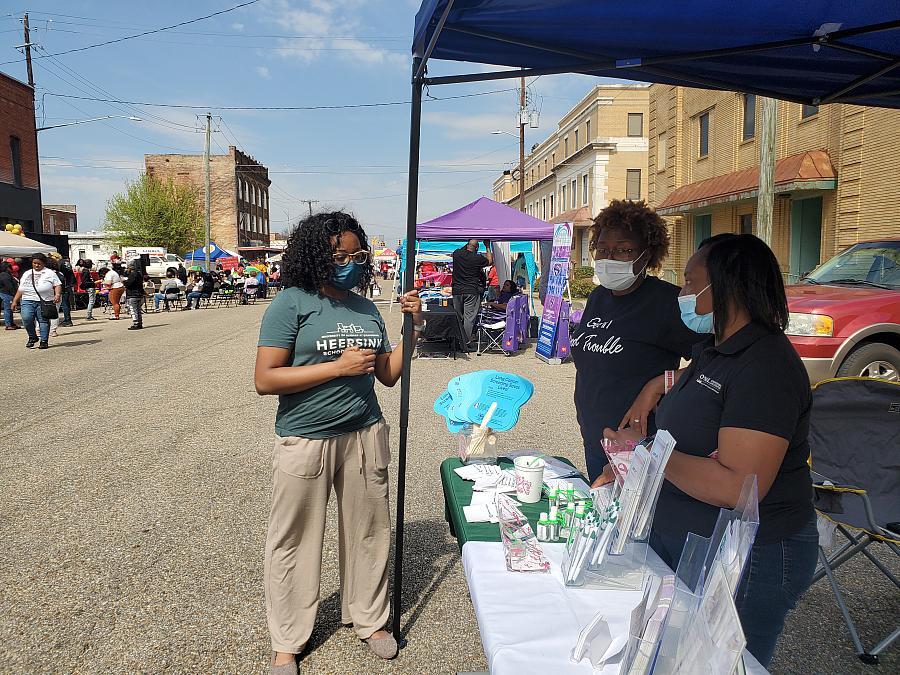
239, 193
20, 186
59, 217
597, 153
834, 173
93, 245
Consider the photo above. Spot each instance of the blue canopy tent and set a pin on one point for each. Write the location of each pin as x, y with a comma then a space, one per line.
214, 254
807, 51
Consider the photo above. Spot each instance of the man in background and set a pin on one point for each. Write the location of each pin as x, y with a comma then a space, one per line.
469, 282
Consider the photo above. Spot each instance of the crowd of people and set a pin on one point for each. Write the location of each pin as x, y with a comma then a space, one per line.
48, 291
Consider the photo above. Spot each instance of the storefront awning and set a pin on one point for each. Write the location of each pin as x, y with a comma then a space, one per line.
804, 171
578, 217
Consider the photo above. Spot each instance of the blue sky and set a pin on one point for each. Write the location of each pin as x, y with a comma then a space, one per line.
271, 53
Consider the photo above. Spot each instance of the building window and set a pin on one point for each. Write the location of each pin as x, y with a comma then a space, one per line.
553, 159
544, 208
551, 205
746, 223
662, 152
545, 166
585, 186
52, 224
635, 124
566, 147
562, 198
808, 111
576, 140
574, 190
749, 116
703, 123
633, 184
15, 151
587, 131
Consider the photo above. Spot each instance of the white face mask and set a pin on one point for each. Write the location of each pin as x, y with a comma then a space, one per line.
616, 275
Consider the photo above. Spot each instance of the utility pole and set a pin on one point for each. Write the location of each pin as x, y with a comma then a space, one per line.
766, 196
27, 46
309, 203
206, 182
522, 144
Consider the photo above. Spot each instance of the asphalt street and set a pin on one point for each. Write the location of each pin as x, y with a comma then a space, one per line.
135, 470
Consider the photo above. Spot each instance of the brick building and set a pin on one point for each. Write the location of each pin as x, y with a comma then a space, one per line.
597, 153
20, 188
834, 174
239, 193
59, 218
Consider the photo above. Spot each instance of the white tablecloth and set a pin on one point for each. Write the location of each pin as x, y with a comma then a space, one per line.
529, 622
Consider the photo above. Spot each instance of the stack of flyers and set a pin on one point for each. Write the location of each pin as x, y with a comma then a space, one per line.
468, 397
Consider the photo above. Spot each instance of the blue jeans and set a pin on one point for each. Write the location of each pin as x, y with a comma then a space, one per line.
92, 296
31, 311
193, 295
6, 300
66, 306
775, 578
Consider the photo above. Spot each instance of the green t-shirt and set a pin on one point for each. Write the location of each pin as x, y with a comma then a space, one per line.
317, 329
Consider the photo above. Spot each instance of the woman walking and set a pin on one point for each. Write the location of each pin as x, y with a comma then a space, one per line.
134, 293
89, 286
113, 281
322, 345
38, 288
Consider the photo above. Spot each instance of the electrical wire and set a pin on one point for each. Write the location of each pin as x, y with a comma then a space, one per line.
143, 33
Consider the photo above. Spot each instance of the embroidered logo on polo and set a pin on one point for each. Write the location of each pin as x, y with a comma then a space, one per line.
346, 335
594, 344
709, 383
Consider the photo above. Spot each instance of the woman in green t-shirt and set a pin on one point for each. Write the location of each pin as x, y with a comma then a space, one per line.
321, 347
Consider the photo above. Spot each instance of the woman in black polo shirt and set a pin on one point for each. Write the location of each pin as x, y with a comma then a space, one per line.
741, 407
630, 330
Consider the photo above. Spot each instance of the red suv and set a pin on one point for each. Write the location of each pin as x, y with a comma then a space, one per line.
845, 314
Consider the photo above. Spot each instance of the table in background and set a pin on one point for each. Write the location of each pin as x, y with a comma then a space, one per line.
458, 493
442, 327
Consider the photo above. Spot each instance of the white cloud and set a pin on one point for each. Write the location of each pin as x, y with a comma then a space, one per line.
263, 72
237, 26
457, 126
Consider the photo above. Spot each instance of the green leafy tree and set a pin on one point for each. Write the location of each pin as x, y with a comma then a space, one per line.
152, 212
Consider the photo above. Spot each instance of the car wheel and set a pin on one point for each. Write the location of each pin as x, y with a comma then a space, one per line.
875, 360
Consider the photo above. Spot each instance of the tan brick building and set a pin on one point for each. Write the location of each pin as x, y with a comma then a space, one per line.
597, 153
239, 193
834, 179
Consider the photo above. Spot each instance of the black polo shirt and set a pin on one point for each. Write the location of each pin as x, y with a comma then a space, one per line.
468, 272
753, 380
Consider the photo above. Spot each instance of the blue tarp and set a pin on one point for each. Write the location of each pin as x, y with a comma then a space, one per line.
809, 51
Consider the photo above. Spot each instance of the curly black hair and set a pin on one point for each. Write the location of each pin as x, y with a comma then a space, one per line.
640, 220
307, 262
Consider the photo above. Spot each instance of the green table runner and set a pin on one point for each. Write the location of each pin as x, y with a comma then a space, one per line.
458, 493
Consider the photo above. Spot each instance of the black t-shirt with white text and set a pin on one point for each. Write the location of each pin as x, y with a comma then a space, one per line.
468, 272
754, 380
622, 342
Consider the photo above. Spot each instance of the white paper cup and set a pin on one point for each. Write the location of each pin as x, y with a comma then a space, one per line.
529, 479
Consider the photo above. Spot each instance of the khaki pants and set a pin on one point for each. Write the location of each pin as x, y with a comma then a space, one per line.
304, 472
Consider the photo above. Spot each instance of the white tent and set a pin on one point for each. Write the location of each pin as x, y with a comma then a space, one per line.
14, 245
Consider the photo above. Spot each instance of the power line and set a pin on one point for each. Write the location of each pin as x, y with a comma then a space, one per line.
143, 33
379, 104
251, 36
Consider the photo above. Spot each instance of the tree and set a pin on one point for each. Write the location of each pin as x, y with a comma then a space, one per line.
155, 213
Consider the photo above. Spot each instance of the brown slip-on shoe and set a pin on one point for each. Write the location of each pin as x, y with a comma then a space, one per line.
289, 668
383, 648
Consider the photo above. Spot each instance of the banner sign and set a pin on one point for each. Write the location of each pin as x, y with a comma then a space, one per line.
228, 264
556, 286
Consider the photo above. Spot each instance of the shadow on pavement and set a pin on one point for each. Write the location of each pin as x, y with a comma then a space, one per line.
82, 332
74, 343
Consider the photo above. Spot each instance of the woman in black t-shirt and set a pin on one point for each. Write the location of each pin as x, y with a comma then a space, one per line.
630, 330
741, 408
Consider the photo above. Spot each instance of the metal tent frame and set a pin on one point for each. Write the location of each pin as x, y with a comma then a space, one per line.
649, 69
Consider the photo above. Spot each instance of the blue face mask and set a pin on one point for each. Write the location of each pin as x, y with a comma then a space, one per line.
699, 323
346, 278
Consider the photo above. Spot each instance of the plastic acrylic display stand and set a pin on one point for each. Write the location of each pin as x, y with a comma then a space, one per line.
699, 556
464, 438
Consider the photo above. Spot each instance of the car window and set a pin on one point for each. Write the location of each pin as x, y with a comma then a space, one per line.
871, 262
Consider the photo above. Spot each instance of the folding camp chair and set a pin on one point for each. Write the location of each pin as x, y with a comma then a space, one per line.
854, 436
490, 325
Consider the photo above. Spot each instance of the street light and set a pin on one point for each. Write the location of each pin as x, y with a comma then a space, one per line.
504, 132
92, 119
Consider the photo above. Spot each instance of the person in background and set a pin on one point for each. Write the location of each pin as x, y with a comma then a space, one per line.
53, 264
149, 286
263, 283
169, 285
741, 408
508, 291
36, 285
112, 280
182, 274
493, 284
196, 292
67, 275
330, 434
134, 293
89, 286
469, 283
630, 330
8, 287
114, 260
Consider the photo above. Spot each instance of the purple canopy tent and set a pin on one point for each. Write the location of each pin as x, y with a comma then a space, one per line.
485, 219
